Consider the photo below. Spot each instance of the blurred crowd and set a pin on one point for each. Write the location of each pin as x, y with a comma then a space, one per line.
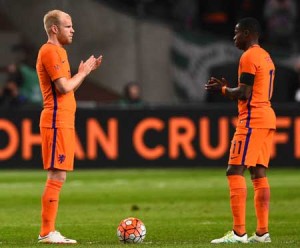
21, 86
279, 19
132, 95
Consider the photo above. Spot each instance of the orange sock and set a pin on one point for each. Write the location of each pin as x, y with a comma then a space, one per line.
261, 203
238, 196
50, 200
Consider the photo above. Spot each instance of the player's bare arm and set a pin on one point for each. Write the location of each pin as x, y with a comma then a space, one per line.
242, 92
65, 85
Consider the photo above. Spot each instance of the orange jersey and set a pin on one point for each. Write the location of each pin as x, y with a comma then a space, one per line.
59, 109
256, 112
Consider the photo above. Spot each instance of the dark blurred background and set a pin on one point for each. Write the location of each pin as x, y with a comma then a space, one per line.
146, 105
167, 48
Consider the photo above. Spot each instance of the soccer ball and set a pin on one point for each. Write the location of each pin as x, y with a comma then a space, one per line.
131, 230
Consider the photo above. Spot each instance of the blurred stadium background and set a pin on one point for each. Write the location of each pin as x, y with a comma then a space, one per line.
170, 49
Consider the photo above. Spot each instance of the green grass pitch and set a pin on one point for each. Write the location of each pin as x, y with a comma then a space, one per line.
180, 207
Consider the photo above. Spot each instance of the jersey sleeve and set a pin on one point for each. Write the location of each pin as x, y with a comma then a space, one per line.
53, 64
247, 63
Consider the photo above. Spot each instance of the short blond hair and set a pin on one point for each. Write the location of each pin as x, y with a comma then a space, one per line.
52, 18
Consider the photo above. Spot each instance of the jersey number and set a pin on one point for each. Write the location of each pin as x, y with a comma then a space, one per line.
237, 147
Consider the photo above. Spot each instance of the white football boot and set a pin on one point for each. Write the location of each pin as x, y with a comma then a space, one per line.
55, 238
260, 239
231, 237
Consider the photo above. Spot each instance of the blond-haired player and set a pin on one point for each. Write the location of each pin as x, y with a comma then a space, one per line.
57, 118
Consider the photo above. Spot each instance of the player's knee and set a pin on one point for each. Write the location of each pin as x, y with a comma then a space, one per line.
57, 175
235, 170
257, 172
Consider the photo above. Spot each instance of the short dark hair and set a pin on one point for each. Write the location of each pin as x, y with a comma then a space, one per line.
251, 24
127, 88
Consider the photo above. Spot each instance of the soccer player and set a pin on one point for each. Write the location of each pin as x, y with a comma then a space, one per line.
58, 115
251, 143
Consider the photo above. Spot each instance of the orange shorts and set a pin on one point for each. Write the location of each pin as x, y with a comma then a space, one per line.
58, 147
251, 146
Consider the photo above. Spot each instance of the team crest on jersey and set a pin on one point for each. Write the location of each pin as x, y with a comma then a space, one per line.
61, 158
